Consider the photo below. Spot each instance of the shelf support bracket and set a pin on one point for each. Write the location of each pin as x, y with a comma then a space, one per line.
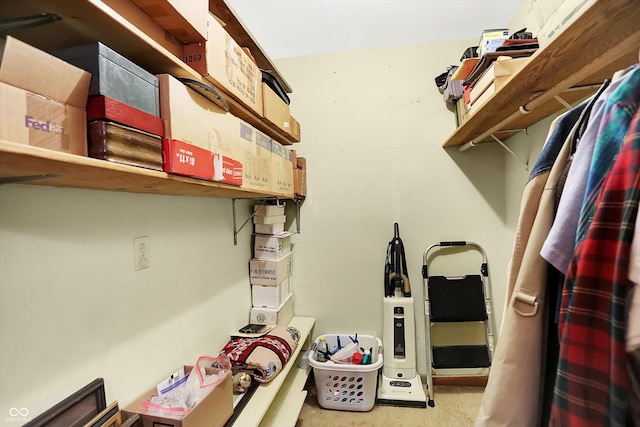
17, 179
236, 230
563, 102
510, 151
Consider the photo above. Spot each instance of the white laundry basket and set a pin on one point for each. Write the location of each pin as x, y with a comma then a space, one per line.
347, 387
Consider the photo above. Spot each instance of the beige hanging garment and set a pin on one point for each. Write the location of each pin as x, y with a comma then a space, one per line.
512, 395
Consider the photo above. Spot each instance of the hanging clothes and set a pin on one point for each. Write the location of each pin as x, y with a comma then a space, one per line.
517, 358
560, 244
592, 380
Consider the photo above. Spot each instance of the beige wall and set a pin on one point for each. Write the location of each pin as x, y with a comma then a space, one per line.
72, 308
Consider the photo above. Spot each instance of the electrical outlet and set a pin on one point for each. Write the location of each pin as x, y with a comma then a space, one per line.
141, 253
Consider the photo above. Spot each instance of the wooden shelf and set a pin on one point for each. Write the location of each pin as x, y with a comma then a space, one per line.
279, 387
604, 39
87, 21
17, 160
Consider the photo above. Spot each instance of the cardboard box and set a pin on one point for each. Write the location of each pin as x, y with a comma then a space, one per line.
270, 273
482, 99
223, 62
193, 119
281, 315
263, 166
269, 219
268, 210
271, 296
275, 110
269, 228
282, 169
180, 158
213, 411
184, 20
42, 99
294, 129
497, 73
270, 246
115, 76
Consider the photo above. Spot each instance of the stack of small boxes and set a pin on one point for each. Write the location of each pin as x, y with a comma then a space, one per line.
270, 267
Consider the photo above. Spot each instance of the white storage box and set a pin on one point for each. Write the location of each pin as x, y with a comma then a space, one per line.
270, 296
345, 386
270, 273
273, 316
269, 228
272, 246
268, 210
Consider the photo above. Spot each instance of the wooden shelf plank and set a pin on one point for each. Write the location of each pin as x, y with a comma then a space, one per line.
605, 38
255, 410
17, 160
286, 407
87, 21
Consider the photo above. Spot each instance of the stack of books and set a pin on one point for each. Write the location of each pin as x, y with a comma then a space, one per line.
270, 267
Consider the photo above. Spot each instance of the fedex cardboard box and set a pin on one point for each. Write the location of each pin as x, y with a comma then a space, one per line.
42, 99
186, 20
212, 411
270, 272
223, 62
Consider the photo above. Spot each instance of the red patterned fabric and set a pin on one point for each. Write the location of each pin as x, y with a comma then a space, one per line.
262, 357
592, 384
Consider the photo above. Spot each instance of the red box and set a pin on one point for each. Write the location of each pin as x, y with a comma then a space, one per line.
180, 158
105, 108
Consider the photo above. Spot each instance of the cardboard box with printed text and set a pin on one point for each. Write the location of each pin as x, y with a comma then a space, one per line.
42, 99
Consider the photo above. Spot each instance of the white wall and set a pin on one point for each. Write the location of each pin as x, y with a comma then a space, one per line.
72, 308
373, 124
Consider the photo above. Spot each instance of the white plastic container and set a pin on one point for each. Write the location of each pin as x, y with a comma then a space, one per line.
347, 387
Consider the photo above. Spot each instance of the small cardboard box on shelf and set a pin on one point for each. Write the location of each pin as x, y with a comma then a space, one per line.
270, 273
270, 296
184, 20
42, 99
213, 411
271, 246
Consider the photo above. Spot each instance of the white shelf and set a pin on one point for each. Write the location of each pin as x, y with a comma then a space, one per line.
260, 403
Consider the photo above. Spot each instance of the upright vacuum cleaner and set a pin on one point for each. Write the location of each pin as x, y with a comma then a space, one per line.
399, 383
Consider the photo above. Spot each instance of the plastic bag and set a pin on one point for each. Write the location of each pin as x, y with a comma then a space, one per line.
205, 375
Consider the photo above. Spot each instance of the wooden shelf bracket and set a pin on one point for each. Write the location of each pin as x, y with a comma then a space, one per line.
510, 151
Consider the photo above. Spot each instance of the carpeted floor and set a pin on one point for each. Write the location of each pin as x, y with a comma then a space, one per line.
455, 406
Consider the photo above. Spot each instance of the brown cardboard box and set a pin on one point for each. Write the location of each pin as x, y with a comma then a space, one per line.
223, 62
192, 118
42, 99
294, 129
184, 20
275, 110
213, 411
497, 73
263, 163
282, 173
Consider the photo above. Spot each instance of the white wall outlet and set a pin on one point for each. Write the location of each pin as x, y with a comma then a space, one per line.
141, 253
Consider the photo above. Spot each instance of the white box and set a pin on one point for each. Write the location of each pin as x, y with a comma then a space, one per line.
270, 296
268, 228
269, 219
270, 273
273, 316
272, 246
268, 210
